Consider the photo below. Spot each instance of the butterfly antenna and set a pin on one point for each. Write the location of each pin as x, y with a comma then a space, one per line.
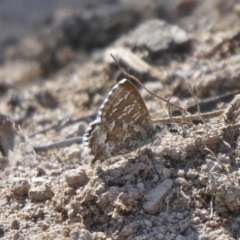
129, 76
197, 103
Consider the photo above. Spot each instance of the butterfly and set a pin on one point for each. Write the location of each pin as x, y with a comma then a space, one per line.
123, 124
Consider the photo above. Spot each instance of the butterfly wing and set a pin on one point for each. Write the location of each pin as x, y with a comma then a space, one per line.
123, 123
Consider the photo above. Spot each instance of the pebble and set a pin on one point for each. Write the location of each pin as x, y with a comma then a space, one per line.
179, 215
192, 174
204, 214
224, 159
141, 187
40, 193
180, 173
161, 236
148, 223
176, 154
41, 171
15, 224
83, 234
166, 172
203, 179
76, 177
181, 237
20, 186
129, 229
157, 36
82, 126
43, 225
196, 220
157, 195
183, 182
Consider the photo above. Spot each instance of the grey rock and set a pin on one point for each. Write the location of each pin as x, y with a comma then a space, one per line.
40, 193
157, 195
20, 186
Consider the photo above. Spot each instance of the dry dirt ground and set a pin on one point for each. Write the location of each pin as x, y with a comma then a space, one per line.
184, 186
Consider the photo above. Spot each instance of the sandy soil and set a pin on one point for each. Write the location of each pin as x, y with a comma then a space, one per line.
53, 78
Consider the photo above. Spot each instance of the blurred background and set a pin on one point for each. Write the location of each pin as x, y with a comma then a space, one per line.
49, 49
74, 18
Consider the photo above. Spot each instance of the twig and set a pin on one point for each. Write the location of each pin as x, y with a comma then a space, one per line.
197, 103
63, 123
60, 144
189, 118
211, 103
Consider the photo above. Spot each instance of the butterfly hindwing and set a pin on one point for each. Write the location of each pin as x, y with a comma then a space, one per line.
123, 123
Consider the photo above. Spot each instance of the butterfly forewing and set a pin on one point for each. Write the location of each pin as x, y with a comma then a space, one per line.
123, 123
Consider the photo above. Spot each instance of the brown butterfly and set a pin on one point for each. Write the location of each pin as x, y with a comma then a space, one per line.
123, 124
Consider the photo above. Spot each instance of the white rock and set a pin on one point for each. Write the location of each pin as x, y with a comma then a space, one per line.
20, 186
157, 195
40, 193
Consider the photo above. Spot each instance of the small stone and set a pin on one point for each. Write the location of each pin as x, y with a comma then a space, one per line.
204, 214
76, 177
38, 180
163, 229
20, 186
47, 99
82, 126
39, 212
129, 229
192, 174
99, 235
237, 219
148, 223
203, 180
183, 182
180, 173
161, 236
196, 220
4, 162
158, 36
157, 195
180, 237
166, 172
55, 172
15, 224
179, 216
175, 154
43, 225
40, 193
41, 171
97, 99
83, 234
70, 191
71, 213
224, 159
75, 204
141, 187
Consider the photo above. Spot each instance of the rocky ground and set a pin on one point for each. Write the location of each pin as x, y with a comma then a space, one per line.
54, 77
